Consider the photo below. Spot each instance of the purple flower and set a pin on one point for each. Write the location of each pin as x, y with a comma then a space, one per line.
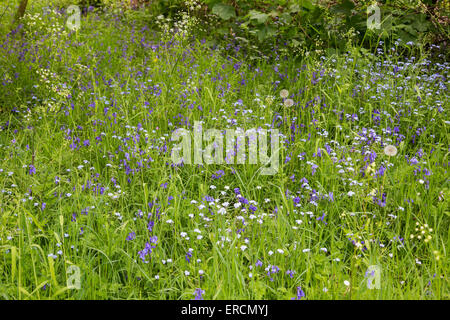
275, 269
198, 294
243, 200
272, 270
321, 218
380, 171
150, 225
188, 256
313, 168
371, 157
318, 154
300, 294
131, 236
218, 174
413, 161
381, 202
149, 246
290, 273
288, 158
31, 170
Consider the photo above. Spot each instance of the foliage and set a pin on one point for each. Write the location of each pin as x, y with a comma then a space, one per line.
299, 25
314, 25
86, 177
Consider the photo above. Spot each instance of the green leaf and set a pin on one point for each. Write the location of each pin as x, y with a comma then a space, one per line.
345, 7
266, 32
420, 23
274, 13
260, 17
224, 11
307, 4
294, 8
222, 31
286, 18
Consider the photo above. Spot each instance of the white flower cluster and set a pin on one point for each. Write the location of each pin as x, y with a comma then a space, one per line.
51, 22
184, 23
423, 232
52, 83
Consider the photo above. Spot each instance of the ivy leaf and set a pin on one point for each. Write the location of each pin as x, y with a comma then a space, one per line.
224, 11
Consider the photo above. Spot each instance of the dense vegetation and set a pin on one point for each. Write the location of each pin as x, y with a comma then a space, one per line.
299, 25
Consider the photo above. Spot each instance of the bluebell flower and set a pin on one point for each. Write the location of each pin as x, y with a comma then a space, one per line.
198, 294
31, 170
300, 294
131, 236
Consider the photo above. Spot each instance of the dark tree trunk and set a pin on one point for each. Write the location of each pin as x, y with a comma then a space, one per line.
21, 10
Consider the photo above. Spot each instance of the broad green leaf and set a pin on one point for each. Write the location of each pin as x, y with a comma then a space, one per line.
307, 4
274, 13
286, 17
294, 8
260, 17
224, 11
266, 32
345, 7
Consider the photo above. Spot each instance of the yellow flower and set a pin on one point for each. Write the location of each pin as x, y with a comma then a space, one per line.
370, 169
437, 255
269, 100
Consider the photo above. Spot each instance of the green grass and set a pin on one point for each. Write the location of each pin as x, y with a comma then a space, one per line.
152, 87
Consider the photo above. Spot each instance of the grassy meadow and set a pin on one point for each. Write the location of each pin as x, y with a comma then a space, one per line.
89, 189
